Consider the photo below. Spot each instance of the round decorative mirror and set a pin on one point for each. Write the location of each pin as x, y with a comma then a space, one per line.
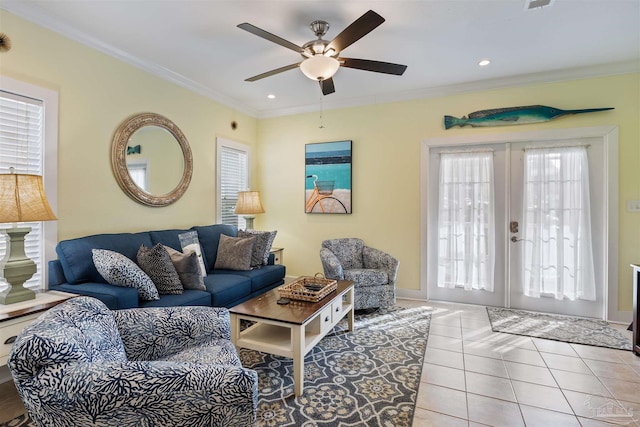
151, 159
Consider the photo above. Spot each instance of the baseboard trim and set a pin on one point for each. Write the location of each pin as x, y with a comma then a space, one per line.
414, 294
624, 317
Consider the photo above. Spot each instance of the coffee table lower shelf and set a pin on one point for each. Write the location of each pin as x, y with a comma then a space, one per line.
294, 339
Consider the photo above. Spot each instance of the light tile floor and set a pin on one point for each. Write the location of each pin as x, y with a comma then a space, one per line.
473, 376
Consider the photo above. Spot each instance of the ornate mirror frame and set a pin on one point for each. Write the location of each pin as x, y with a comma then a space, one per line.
119, 161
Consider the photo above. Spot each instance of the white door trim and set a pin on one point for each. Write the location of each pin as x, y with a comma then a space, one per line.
609, 136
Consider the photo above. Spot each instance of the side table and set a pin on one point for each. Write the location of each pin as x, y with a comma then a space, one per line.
15, 317
277, 253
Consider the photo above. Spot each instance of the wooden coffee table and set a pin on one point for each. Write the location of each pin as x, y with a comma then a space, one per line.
290, 330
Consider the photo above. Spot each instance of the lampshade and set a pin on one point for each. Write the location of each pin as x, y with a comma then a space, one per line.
22, 199
249, 203
320, 67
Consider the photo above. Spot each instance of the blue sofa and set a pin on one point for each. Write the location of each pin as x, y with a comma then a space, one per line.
75, 272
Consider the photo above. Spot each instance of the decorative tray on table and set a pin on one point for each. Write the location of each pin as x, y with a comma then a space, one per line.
307, 288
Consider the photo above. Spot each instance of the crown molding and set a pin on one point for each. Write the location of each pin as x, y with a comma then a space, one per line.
35, 15
601, 70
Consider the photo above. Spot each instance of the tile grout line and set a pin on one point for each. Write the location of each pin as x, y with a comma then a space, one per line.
613, 396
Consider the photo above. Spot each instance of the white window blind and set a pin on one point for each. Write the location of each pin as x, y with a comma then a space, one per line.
138, 174
21, 148
234, 177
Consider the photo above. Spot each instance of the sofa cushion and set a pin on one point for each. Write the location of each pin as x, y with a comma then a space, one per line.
234, 253
188, 268
348, 251
114, 297
188, 297
77, 260
156, 262
366, 277
260, 278
209, 237
220, 352
227, 288
261, 245
118, 270
167, 237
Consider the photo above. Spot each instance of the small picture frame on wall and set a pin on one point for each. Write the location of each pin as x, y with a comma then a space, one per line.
328, 177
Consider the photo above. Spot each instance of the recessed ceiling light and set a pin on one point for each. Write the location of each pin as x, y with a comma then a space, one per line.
484, 63
271, 96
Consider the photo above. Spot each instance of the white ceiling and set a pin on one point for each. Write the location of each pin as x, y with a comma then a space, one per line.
196, 43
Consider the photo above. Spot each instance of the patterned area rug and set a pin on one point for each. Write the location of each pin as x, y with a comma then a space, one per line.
19, 421
367, 377
574, 330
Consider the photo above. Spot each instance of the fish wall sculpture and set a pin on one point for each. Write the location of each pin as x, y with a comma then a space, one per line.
513, 116
134, 150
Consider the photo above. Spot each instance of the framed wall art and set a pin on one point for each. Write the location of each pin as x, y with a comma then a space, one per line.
328, 177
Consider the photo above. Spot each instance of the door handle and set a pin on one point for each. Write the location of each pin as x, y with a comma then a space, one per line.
515, 239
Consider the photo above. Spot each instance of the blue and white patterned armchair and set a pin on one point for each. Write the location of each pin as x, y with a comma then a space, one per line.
81, 364
373, 271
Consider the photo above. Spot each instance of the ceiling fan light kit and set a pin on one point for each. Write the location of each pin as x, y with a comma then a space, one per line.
320, 57
319, 67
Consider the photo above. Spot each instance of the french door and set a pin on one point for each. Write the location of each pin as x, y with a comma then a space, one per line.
440, 243
533, 234
569, 281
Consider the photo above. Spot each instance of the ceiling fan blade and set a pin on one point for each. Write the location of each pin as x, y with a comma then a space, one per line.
271, 37
354, 32
273, 72
375, 66
327, 86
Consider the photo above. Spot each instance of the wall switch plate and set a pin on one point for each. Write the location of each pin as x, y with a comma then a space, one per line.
633, 205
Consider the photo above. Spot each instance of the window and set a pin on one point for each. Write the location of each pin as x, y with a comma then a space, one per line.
466, 221
28, 143
233, 176
138, 174
558, 253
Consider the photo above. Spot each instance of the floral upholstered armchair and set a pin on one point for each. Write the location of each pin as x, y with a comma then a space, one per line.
373, 272
81, 364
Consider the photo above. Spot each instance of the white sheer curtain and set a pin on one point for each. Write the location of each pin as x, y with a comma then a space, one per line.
558, 257
466, 221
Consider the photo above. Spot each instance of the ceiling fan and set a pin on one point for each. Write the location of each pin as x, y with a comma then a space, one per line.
321, 58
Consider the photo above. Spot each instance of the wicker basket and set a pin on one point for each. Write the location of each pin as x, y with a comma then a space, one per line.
325, 188
296, 290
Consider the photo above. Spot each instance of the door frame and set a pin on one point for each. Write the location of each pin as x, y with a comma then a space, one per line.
609, 137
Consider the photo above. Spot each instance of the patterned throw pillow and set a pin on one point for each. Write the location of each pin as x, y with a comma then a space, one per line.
156, 262
118, 270
189, 242
260, 243
234, 253
188, 268
262, 247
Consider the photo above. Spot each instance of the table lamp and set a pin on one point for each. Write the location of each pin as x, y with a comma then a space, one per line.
22, 199
248, 205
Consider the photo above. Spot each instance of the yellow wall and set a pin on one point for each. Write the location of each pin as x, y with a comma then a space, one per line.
98, 92
386, 167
